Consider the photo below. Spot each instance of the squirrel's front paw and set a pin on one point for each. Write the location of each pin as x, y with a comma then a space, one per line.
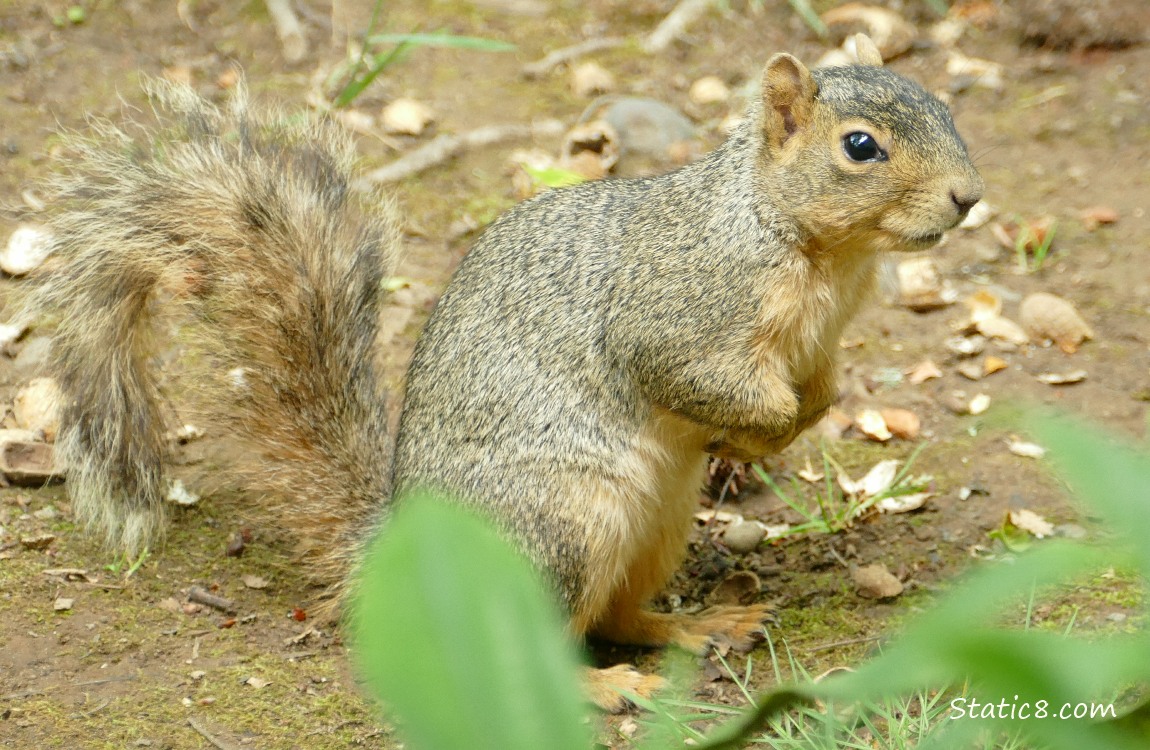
746, 445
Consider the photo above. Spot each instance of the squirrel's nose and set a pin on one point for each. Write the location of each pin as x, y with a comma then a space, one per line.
966, 195
964, 201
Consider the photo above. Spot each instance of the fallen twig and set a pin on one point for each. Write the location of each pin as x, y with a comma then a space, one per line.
50, 688
202, 596
215, 741
676, 22
557, 57
445, 147
288, 29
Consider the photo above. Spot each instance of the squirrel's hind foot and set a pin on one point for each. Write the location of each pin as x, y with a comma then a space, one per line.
606, 687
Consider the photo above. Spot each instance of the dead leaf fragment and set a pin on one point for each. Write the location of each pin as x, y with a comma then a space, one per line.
1026, 450
591, 78
1096, 216
1048, 316
902, 423
62, 604
871, 423
993, 364
406, 117
877, 480
983, 305
903, 503
980, 213
590, 149
257, 682
975, 71
1062, 378
738, 588
922, 372
1029, 521
37, 541
254, 582
891, 33
875, 582
1003, 329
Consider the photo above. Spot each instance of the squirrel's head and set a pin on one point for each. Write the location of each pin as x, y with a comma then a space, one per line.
862, 157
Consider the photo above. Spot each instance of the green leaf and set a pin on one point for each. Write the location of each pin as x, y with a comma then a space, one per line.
554, 177
460, 638
443, 39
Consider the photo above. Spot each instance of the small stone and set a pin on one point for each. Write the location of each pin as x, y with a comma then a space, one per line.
744, 537
591, 78
63, 604
876, 582
406, 117
709, 90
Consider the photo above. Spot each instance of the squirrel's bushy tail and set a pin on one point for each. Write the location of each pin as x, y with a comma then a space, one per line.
253, 222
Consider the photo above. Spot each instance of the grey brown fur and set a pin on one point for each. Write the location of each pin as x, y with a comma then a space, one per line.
591, 349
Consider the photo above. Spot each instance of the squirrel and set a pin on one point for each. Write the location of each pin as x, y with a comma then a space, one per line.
591, 349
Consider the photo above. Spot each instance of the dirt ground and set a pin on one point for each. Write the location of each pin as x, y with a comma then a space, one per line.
130, 664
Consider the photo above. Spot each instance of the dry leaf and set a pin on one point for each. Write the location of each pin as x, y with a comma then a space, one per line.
877, 480
254, 582
902, 423
993, 364
1002, 329
835, 423
1095, 216
721, 516
871, 423
738, 588
1026, 450
808, 473
1063, 378
903, 503
983, 306
876, 582
257, 682
180, 495
922, 372
980, 213
590, 149
983, 73
1028, 520
1050, 317
891, 33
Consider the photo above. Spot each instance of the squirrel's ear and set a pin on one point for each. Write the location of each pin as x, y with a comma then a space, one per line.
866, 51
789, 94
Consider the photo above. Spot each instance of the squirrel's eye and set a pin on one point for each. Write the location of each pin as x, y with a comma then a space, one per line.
859, 146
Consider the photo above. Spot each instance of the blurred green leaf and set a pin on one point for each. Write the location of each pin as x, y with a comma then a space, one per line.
554, 177
444, 39
460, 638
